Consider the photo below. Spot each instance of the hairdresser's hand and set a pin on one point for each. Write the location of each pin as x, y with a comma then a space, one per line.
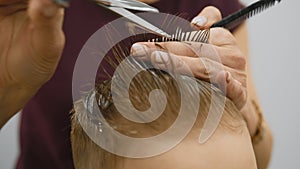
225, 62
31, 43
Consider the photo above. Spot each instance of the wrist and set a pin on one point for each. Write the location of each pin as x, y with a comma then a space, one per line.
251, 117
12, 100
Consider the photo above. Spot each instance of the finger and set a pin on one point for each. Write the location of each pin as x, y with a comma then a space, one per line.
221, 37
218, 37
170, 62
222, 48
201, 68
45, 13
233, 88
46, 20
229, 56
179, 48
205, 69
45, 31
207, 17
143, 51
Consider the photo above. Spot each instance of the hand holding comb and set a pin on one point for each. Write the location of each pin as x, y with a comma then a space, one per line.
245, 13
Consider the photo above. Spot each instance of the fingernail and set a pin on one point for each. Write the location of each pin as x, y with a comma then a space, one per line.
199, 20
139, 49
160, 57
228, 77
62, 3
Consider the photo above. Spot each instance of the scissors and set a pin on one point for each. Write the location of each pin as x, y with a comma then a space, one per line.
120, 7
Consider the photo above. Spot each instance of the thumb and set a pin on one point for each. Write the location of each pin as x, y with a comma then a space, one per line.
46, 20
45, 13
207, 17
45, 31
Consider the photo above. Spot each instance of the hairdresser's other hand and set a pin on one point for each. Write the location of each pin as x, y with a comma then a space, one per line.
237, 73
227, 64
31, 43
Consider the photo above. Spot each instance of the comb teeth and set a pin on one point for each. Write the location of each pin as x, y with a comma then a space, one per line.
179, 35
243, 14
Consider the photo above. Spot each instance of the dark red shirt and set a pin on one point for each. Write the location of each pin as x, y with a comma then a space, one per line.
45, 122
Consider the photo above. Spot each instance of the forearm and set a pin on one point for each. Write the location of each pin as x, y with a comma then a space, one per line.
263, 148
12, 100
262, 140
264, 145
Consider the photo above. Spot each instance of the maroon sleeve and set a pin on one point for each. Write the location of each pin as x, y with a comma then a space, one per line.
45, 122
227, 7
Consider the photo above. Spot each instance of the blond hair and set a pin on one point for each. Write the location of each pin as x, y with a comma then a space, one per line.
88, 155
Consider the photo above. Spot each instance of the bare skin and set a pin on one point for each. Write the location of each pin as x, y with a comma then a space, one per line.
31, 43
232, 51
224, 150
32, 40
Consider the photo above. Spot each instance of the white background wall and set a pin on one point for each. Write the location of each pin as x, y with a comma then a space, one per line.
9, 146
275, 61
274, 36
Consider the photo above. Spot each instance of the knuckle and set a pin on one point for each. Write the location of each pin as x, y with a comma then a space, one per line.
226, 34
202, 72
241, 77
178, 63
240, 62
221, 36
238, 57
178, 48
202, 69
241, 97
206, 63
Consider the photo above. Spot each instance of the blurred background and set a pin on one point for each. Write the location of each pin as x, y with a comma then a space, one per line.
273, 38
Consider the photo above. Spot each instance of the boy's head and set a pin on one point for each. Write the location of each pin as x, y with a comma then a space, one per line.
229, 147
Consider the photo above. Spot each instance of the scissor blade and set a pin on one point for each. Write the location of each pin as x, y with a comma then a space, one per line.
129, 4
138, 20
135, 5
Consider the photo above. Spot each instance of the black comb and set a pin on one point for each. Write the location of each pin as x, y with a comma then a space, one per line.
236, 18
